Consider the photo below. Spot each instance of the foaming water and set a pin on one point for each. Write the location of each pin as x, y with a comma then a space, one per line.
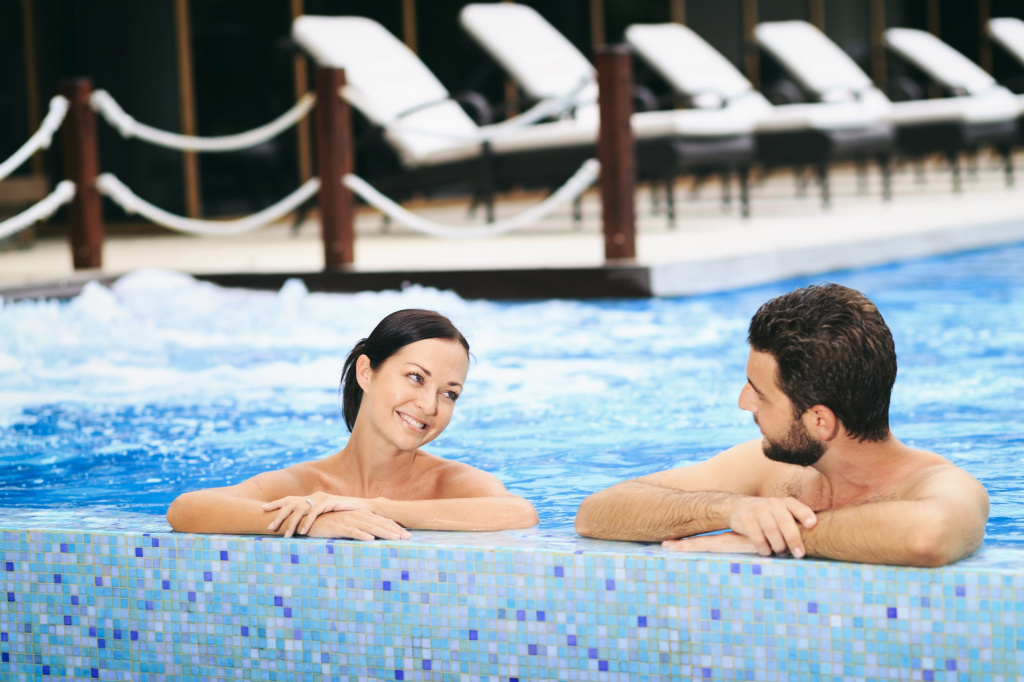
124, 397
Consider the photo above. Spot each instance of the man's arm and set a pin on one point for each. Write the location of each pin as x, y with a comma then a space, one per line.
940, 521
722, 492
647, 512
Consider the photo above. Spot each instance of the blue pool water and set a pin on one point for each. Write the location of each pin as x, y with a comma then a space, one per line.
122, 398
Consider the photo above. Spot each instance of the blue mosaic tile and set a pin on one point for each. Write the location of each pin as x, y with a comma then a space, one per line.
118, 603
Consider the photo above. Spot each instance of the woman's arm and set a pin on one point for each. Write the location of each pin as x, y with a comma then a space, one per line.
232, 509
241, 509
503, 512
465, 499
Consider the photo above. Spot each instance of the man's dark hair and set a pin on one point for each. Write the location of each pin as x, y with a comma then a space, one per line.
391, 334
834, 349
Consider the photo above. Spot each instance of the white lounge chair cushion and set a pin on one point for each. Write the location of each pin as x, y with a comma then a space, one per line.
819, 64
549, 69
822, 67
387, 79
554, 135
691, 65
691, 123
822, 117
940, 61
688, 63
1009, 32
646, 125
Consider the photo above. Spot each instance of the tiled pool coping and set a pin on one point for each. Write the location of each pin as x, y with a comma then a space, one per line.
122, 597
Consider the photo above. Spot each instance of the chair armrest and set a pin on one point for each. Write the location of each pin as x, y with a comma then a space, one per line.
644, 98
477, 106
471, 100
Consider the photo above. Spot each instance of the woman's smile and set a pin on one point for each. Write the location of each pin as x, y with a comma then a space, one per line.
412, 422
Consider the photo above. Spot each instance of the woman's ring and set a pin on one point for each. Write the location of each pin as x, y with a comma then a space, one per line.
310, 503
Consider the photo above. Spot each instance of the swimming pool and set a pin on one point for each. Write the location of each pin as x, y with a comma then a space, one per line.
123, 399
116, 401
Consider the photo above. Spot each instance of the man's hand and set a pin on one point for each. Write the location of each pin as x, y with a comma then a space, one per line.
772, 524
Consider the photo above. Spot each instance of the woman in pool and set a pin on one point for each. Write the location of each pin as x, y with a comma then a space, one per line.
400, 385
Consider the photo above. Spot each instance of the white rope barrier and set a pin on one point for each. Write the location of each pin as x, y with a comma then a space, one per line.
574, 187
42, 138
103, 103
110, 186
63, 193
543, 109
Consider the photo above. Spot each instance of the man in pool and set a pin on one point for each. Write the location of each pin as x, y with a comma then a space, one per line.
828, 479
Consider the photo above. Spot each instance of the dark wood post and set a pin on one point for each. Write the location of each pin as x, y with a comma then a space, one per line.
616, 151
334, 160
81, 166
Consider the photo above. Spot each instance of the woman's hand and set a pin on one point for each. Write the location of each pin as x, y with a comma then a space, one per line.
297, 515
360, 524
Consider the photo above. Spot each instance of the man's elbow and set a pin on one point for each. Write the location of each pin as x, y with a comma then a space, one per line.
940, 545
584, 524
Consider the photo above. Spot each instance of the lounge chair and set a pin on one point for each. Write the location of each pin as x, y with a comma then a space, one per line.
544, 63
1008, 32
787, 135
949, 126
961, 77
436, 143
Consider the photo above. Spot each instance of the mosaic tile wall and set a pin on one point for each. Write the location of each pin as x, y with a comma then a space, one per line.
134, 605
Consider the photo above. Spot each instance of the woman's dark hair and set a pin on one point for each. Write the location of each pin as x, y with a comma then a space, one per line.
833, 349
395, 331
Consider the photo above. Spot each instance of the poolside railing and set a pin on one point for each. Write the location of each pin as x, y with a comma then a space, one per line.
86, 184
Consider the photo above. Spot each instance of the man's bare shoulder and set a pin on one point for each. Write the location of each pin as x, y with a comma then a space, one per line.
743, 470
932, 474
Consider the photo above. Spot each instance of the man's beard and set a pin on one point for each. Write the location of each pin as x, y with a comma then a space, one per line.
796, 448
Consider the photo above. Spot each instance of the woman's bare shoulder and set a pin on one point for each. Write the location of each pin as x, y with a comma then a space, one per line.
291, 480
451, 478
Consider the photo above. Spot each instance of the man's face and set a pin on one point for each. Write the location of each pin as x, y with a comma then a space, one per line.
785, 437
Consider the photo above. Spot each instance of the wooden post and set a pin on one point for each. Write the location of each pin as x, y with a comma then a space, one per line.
616, 151
81, 166
300, 69
816, 13
933, 24
751, 57
409, 33
28, 30
984, 42
876, 39
334, 161
597, 25
187, 106
677, 11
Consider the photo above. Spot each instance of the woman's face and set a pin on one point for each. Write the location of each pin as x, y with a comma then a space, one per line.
409, 399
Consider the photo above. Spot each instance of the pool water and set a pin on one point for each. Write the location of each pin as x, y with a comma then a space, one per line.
122, 398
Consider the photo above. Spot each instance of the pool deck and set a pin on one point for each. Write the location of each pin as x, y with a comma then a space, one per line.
710, 249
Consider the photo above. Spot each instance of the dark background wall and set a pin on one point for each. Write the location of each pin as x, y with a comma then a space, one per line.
244, 73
